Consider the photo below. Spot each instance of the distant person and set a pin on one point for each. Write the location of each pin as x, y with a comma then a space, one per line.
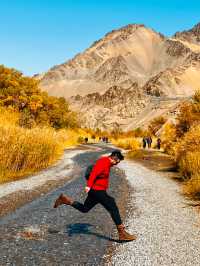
144, 143
97, 184
99, 139
158, 143
149, 141
86, 140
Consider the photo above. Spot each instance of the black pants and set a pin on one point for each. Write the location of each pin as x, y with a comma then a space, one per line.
99, 196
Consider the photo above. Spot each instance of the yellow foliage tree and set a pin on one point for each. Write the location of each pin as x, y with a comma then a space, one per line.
35, 107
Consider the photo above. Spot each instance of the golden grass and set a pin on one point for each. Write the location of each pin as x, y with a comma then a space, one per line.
187, 156
189, 143
24, 151
136, 154
127, 143
8, 116
190, 167
189, 164
70, 137
191, 187
168, 137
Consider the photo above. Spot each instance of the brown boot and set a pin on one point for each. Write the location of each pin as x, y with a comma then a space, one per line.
62, 199
123, 235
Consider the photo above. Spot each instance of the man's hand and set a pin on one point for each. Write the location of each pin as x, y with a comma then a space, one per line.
87, 189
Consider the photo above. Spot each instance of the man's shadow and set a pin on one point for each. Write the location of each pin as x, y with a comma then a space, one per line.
84, 228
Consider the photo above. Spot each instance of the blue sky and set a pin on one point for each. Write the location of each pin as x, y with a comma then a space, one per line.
38, 34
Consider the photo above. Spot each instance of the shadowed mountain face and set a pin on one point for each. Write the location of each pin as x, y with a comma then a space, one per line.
114, 82
192, 35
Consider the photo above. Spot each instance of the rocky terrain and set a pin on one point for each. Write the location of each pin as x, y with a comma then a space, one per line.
191, 36
127, 75
111, 109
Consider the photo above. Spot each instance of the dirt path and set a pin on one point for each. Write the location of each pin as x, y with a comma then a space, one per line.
168, 228
155, 160
37, 234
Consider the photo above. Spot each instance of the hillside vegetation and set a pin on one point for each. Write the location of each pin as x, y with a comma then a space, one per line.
182, 140
34, 128
22, 94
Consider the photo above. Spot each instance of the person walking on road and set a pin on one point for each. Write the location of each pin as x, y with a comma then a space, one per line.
97, 185
149, 141
144, 143
158, 143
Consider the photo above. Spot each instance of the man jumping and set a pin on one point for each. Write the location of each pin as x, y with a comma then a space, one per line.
97, 185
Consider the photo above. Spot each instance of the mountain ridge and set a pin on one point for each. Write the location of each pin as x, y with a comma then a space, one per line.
133, 56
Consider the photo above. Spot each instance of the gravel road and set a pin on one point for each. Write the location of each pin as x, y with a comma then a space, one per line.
168, 229
37, 234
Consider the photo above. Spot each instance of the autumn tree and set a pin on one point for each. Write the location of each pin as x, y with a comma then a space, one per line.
188, 115
35, 107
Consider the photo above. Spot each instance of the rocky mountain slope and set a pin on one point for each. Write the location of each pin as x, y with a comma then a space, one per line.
112, 109
119, 77
191, 36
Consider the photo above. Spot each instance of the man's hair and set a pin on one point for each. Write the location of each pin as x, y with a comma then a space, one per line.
118, 154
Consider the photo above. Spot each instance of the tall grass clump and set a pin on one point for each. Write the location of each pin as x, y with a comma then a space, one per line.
72, 137
127, 143
8, 116
191, 187
169, 138
188, 144
24, 151
181, 139
187, 155
35, 128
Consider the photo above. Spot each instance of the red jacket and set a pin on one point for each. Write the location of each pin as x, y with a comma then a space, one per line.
102, 170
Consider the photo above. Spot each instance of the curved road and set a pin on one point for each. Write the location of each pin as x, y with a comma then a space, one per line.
168, 228
37, 234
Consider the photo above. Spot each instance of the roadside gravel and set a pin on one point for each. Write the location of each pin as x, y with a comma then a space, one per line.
168, 229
